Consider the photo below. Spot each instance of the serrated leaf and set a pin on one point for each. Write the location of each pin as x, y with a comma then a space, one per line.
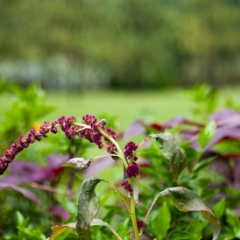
160, 223
185, 200
206, 134
87, 207
172, 151
99, 222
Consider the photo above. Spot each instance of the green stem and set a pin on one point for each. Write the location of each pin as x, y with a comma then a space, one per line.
120, 194
132, 202
150, 209
133, 216
121, 155
141, 144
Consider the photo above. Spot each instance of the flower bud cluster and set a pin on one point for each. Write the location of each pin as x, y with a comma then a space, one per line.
89, 129
133, 169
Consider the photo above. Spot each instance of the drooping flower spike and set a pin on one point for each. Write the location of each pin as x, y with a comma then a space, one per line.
88, 129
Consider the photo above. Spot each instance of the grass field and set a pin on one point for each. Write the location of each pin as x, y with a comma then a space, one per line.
127, 106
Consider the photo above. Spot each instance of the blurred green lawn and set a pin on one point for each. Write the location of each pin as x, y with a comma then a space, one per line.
127, 106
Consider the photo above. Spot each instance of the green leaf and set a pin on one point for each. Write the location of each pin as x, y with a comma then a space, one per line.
31, 233
182, 235
160, 223
21, 221
196, 227
234, 222
207, 134
186, 200
219, 208
99, 222
202, 164
172, 151
87, 207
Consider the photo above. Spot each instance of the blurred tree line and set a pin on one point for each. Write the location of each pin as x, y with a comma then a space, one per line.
132, 44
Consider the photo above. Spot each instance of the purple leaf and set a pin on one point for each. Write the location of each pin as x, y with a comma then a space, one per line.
99, 165
236, 173
136, 128
175, 122
54, 167
237, 211
28, 194
55, 160
226, 117
27, 171
11, 179
221, 166
59, 212
224, 133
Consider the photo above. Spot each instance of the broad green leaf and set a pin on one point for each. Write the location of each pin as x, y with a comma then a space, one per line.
206, 134
31, 233
186, 200
21, 221
202, 164
123, 229
99, 222
196, 227
183, 235
160, 223
234, 222
219, 207
87, 207
172, 151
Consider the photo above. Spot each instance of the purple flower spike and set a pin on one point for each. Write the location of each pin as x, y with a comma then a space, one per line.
129, 150
111, 133
132, 170
90, 120
53, 127
90, 132
140, 224
126, 185
97, 140
111, 149
44, 129
70, 133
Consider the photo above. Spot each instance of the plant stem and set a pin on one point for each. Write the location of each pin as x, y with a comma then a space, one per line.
141, 144
121, 155
132, 202
120, 194
150, 209
133, 216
